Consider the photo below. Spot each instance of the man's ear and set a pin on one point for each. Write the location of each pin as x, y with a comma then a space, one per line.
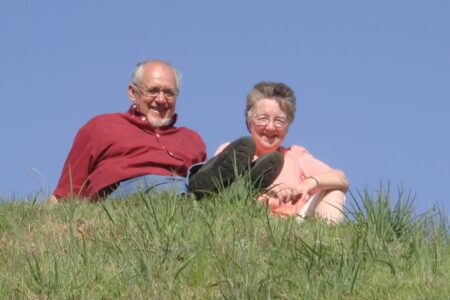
131, 93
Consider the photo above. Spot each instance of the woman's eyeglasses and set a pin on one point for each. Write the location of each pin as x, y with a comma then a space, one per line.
263, 121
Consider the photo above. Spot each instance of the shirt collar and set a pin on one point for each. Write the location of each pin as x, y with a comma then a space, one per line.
142, 121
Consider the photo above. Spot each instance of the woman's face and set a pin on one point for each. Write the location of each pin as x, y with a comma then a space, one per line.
268, 126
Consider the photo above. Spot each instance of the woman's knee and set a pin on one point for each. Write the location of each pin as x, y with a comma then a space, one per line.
331, 206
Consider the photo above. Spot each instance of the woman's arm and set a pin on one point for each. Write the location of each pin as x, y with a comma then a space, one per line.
333, 179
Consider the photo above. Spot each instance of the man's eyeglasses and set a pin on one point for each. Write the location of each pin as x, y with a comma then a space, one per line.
263, 121
152, 92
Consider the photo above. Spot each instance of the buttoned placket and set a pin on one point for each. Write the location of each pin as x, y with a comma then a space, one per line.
163, 146
142, 120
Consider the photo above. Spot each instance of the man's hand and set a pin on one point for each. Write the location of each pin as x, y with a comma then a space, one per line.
52, 200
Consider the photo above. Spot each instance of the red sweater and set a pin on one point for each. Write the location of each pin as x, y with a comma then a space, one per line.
114, 147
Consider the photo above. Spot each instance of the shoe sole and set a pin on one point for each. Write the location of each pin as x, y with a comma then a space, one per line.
266, 170
221, 170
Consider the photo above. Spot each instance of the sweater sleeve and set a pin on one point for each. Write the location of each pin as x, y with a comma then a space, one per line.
202, 156
79, 163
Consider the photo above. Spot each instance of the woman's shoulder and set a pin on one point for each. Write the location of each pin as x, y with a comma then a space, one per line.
294, 150
221, 147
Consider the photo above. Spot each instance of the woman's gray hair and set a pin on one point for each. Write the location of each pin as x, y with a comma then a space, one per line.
277, 91
137, 73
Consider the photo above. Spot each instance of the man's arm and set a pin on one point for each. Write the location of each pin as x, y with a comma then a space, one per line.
77, 167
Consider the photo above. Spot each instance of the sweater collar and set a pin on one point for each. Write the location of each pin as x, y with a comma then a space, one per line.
142, 121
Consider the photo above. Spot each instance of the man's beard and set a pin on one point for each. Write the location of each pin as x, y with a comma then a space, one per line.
159, 122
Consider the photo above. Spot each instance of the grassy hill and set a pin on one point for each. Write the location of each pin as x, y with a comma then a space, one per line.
226, 246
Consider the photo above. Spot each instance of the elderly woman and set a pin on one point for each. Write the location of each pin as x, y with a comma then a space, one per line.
305, 186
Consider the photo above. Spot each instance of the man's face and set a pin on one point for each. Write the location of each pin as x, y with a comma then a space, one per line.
155, 95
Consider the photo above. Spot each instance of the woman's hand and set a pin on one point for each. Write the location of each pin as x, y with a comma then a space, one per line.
331, 180
301, 192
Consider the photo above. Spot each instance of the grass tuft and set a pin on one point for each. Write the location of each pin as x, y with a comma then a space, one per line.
224, 246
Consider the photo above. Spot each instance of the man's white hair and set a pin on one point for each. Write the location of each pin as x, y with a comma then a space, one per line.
137, 73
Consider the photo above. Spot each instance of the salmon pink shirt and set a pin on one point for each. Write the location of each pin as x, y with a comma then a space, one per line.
298, 165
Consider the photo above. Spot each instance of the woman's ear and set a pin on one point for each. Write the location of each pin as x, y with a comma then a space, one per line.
248, 126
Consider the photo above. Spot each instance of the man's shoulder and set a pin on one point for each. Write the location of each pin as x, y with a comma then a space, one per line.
187, 134
99, 123
107, 117
187, 131
104, 118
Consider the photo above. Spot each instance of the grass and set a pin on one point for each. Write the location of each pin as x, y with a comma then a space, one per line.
225, 246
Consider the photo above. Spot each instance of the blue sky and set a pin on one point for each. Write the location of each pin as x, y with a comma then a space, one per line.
372, 80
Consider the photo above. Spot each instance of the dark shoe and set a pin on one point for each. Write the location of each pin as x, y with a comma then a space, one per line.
266, 169
221, 170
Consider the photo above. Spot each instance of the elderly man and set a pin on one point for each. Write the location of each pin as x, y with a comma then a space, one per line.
114, 155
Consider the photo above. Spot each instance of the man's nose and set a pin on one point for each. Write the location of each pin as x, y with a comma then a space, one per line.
161, 98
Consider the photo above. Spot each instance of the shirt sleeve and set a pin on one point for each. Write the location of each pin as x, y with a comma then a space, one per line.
76, 170
202, 149
310, 165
